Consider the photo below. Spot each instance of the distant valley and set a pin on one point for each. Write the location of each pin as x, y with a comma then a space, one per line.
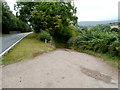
93, 23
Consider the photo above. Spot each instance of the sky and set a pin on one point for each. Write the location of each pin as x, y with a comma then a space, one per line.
90, 10
97, 10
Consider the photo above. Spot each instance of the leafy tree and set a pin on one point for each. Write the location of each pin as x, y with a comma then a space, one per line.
0, 11
24, 11
10, 22
6, 17
53, 17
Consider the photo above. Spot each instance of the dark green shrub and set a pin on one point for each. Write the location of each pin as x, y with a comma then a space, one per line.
72, 41
98, 41
114, 48
44, 35
115, 30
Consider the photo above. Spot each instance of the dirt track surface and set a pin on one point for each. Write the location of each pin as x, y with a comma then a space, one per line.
60, 69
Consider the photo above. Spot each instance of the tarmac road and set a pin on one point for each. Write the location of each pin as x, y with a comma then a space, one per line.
7, 41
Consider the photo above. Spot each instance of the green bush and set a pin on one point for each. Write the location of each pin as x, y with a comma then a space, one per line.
114, 48
98, 41
64, 34
72, 41
115, 30
44, 35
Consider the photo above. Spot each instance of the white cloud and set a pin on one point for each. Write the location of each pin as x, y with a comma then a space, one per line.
11, 5
95, 10
90, 10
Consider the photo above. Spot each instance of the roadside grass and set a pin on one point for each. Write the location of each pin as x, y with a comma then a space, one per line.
112, 60
25, 49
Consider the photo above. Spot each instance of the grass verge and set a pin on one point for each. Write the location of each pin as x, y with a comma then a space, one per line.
25, 49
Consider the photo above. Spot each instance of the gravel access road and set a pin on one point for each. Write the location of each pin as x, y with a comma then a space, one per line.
61, 68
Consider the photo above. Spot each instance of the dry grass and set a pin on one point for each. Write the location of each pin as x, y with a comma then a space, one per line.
25, 50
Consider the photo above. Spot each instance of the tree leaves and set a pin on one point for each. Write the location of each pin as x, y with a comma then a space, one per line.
10, 22
53, 17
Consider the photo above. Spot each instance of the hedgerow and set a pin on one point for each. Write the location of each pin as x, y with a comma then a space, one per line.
101, 41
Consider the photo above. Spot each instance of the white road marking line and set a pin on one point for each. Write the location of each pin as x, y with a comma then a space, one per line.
13, 45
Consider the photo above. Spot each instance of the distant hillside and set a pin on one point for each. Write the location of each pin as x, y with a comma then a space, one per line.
93, 23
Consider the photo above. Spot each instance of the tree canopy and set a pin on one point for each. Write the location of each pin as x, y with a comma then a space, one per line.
53, 17
10, 22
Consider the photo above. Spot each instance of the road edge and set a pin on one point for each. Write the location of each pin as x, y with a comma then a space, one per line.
13, 45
